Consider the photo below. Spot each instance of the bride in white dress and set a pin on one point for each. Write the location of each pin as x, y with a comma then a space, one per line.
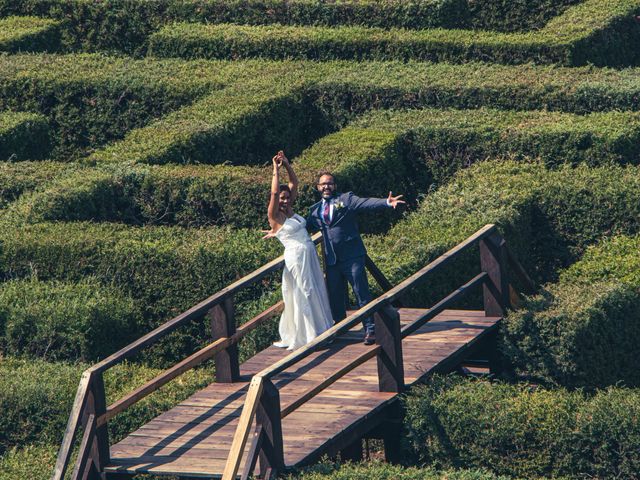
306, 303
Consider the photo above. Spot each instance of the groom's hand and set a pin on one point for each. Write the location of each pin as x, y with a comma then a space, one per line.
394, 201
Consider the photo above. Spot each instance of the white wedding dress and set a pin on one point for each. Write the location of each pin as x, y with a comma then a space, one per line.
306, 303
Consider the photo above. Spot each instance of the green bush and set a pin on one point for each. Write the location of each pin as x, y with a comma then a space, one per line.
17, 178
28, 34
165, 270
583, 331
36, 398
515, 15
376, 470
125, 24
547, 217
89, 100
591, 32
65, 321
525, 431
35, 462
23, 136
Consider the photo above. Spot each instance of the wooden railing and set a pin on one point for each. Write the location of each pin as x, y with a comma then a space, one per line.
90, 411
262, 403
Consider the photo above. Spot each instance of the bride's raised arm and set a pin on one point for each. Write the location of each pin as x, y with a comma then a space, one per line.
273, 212
293, 179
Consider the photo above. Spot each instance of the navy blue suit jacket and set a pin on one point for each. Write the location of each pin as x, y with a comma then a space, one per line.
341, 237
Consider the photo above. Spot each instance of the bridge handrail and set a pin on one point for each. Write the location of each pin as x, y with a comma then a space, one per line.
264, 376
91, 384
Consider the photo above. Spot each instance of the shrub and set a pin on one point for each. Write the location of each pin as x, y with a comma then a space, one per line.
17, 178
524, 431
583, 330
28, 34
591, 32
547, 217
165, 270
376, 470
515, 15
35, 462
125, 24
89, 100
23, 136
65, 321
36, 398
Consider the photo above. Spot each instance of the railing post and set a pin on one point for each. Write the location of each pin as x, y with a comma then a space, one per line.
223, 324
268, 417
390, 364
493, 261
99, 445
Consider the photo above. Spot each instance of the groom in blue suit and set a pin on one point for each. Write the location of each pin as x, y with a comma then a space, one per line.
335, 216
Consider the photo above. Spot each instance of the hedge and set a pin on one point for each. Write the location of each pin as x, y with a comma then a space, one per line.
591, 32
36, 398
584, 330
262, 112
377, 470
515, 15
288, 105
525, 431
65, 321
93, 99
165, 270
23, 136
547, 217
28, 34
17, 178
124, 25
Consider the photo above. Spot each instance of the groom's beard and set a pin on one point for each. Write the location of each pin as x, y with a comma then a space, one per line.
328, 196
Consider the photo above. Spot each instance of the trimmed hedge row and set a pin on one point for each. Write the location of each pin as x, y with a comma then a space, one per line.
124, 25
294, 103
584, 330
28, 34
165, 270
524, 431
547, 217
92, 99
65, 321
376, 470
36, 398
263, 111
592, 32
23, 136
17, 178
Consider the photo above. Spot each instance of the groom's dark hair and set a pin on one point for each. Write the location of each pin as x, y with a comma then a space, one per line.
323, 173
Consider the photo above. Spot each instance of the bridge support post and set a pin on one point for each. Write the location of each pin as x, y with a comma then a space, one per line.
390, 364
493, 260
223, 324
268, 416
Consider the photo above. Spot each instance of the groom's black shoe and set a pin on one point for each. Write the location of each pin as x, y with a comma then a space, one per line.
369, 338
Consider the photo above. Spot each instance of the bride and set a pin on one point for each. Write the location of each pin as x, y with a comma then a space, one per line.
306, 303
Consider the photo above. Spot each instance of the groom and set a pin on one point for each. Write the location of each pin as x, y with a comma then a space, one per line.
335, 216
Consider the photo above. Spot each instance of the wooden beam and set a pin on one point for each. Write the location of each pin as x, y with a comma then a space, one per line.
84, 452
332, 378
244, 426
252, 455
223, 325
75, 417
430, 313
493, 260
518, 269
188, 363
379, 277
390, 362
268, 417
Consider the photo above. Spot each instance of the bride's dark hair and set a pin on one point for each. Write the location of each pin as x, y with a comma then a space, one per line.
285, 188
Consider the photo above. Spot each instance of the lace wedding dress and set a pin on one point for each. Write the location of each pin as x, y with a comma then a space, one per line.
306, 303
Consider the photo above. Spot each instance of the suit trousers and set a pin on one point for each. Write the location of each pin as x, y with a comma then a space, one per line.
354, 272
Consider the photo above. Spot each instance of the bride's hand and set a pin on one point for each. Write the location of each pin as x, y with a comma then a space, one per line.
269, 234
277, 159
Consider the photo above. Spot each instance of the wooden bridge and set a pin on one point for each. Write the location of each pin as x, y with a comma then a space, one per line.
288, 409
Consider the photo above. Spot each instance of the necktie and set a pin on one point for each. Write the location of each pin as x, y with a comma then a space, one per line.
325, 212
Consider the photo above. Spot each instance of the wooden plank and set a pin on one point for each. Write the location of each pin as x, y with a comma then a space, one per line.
223, 325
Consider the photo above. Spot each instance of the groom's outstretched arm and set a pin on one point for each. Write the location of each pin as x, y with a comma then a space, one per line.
360, 203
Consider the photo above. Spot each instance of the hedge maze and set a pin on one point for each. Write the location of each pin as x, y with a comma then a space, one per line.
135, 142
